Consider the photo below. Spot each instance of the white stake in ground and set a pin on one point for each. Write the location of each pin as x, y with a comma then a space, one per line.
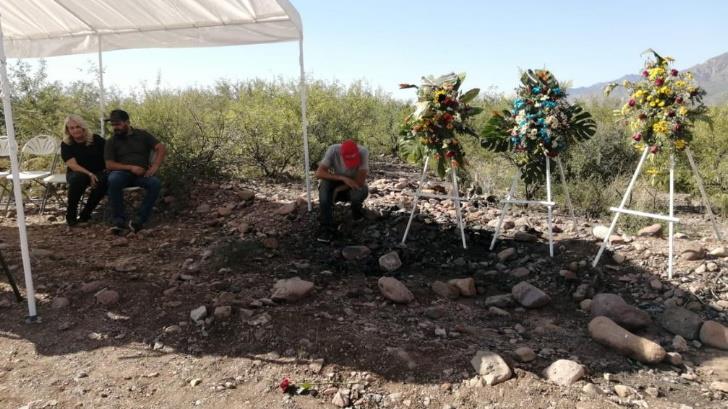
670, 218
549, 203
454, 196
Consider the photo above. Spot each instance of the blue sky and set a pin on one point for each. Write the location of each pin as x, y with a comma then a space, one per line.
388, 42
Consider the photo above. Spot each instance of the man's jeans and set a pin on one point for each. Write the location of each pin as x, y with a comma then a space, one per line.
327, 191
120, 179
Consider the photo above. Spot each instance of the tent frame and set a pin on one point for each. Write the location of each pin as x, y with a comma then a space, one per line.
12, 141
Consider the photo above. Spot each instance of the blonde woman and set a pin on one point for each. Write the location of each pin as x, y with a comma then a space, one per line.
83, 153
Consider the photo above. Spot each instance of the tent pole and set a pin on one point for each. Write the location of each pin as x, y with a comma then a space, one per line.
101, 91
19, 206
304, 122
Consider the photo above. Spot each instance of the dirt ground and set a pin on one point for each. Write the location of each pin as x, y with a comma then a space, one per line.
226, 250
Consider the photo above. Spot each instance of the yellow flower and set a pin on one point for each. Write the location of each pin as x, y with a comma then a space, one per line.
653, 103
652, 171
625, 109
661, 127
681, 84
664, 90
656, 72
680, 144
639, 146
661, 104
682, 111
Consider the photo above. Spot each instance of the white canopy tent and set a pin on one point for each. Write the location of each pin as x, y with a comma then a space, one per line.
44, 28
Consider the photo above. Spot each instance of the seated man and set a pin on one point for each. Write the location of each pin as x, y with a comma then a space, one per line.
127, 154
342, 173
83, 153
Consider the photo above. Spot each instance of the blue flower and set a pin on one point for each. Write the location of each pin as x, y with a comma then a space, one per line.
539, 122
519, 103
536, 90
556, 91
549, 104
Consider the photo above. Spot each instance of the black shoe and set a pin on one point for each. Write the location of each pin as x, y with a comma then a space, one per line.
357, 214
118, 228
84, 218
135, 226
72, 222
326, 234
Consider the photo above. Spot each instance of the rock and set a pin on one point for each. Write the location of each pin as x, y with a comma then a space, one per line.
269, 242
615, 308
623, 391
656, 284
681, 321
568, 275
444, 290
499, 312
585, 305
466, 286
222, 312
203, 208
520, 272
582, 291
393, 290
525, 354
226, 210
714, 334
245, 195
591, 389
529, 296
693, 252
506, 254
719, 386
525, 237
60, 303
600, 231
120, 242
608, 333
390, 261
291, 289
679, 344
674, 358
712, 267
92, 287
286, 209
341, 398
564, 372
107, 297
619, 258
719, 252
491, 366
198, 314
650, 231
355, 252
499, 300
195, 382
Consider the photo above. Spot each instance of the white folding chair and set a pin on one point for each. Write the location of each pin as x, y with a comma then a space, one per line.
53, 181
38, 146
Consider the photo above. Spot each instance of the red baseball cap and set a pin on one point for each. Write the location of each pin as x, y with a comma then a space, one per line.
350, 153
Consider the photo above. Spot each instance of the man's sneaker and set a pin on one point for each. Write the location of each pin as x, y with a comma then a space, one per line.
357, 214
118, 229
326, 235
135, 226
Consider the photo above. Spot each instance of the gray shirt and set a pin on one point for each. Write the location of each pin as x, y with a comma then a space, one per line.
333, 160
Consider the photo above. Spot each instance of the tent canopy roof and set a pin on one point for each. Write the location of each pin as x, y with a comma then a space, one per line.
44, 28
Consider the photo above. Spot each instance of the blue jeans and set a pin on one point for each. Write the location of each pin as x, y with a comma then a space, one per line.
120, 179
327, 198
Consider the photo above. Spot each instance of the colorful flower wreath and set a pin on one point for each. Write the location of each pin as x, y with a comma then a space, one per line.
441, 113
662, 106
541, 121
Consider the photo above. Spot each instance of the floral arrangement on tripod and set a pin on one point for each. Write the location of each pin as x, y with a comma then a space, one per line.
441, 114
541, 122
662, 106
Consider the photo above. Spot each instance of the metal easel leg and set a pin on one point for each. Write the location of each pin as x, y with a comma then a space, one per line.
456, 201
671, 224
701, 187
417, 198
621, 206
549, 206
504, 209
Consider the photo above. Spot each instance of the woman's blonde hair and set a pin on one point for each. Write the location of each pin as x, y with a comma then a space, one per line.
67, 139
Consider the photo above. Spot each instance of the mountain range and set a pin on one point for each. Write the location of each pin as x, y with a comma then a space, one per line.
712, 75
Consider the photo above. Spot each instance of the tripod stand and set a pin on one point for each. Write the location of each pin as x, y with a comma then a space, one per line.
11, 280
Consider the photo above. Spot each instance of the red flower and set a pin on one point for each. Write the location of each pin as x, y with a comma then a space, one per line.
659, 82
284, 385
645, 74
654, 149
637, 136
552, 154
450, 154
673, 72
677, 127
642, 116
679, 100
447, 117
632, 102
671, 114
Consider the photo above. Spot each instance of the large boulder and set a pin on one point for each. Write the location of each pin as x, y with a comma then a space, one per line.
393, 290
608, 333
615, 308
491, 366
714, 334
681, 321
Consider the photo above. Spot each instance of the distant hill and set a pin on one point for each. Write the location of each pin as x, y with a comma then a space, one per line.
711, 75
